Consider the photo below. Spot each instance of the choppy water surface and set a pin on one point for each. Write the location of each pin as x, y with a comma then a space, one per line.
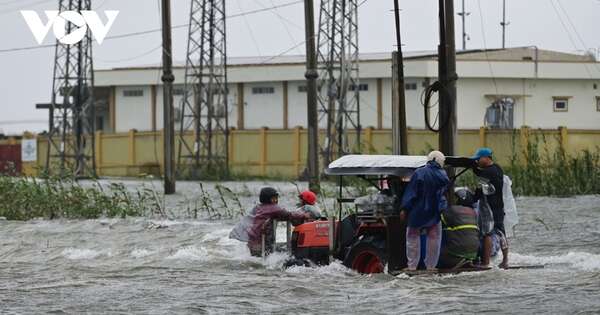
145, 265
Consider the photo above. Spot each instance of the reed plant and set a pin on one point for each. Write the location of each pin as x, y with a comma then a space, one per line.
24, 198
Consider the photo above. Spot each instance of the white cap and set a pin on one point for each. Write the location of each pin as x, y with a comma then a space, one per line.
437, 156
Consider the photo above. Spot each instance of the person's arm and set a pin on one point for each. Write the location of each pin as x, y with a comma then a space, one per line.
284, 215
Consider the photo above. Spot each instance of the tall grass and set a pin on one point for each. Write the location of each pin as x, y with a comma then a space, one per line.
27, 198
546, 172
538, 170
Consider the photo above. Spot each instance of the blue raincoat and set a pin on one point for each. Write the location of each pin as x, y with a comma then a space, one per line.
424, 197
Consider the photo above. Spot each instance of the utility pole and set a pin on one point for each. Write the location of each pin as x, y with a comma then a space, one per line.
168, 113
504, 24
447, 78
463, 16
311, 89
399, 134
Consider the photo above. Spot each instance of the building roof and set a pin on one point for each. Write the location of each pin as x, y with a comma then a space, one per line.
509, 54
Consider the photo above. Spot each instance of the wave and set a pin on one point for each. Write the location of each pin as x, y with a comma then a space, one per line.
82, 253
578, 260
141, 253
190, 253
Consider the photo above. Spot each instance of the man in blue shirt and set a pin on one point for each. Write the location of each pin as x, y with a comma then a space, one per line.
424, 199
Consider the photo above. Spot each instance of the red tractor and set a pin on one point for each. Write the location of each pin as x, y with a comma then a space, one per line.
373, 237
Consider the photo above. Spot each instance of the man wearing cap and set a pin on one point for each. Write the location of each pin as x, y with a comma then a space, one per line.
485, 168
424, 199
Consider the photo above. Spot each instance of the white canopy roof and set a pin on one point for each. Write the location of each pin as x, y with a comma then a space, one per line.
378, 162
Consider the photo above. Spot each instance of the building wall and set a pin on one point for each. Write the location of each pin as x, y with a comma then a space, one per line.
263, 110
533, 104
297, 110
133, 112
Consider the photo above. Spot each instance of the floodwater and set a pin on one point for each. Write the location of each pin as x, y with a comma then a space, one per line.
154, 266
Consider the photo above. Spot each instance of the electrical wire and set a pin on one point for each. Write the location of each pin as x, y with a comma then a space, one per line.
485, 49
130, 58
256, 46
132, 34
581, 41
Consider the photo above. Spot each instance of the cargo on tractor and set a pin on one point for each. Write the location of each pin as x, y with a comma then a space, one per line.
373, 236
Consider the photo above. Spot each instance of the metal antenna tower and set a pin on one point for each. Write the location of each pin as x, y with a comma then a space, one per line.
72, 112
338, 86
203, 138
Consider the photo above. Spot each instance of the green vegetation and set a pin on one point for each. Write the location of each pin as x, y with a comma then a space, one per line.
542, 171
28, 198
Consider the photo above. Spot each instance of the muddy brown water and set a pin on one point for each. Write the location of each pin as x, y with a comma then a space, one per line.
179, 265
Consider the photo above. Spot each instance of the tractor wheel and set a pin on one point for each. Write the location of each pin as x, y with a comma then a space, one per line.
366, 256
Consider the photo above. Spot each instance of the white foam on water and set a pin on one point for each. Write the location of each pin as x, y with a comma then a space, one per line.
190, 253
578, 260
335, 268
218, 235
80, 253
141, 253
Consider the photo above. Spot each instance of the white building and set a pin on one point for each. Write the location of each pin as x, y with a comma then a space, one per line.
548, 88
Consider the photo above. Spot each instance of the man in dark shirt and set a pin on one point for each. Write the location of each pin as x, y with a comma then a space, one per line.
493, 174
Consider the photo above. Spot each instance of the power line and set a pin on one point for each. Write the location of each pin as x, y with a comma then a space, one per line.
581, 41
126, 35
562, 22
485, 46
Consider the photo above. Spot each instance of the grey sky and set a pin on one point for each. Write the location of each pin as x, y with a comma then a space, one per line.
26, 78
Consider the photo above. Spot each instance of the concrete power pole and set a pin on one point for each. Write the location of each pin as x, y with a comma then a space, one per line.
167, 79
504, 24
399, 133
463, 16
311, 89
447, 78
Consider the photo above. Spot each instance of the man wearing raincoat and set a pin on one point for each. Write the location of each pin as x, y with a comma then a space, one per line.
257, 228
424, 199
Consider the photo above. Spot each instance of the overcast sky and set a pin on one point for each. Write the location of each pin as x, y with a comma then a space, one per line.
27, 75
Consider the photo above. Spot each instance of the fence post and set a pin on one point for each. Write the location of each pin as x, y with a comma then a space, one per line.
524, 136
263, 151
564, 138
131, 146
482, 135
98, 143
297, 149
231, 148
369, 139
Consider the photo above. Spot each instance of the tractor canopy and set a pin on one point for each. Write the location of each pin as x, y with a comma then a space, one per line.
386, 165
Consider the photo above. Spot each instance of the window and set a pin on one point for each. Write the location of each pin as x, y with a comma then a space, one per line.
410, 86
598, 103
561, 104
302, 89
133, 93
178, 91
361, 87
263, 90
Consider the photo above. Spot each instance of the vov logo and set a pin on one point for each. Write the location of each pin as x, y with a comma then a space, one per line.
58, 22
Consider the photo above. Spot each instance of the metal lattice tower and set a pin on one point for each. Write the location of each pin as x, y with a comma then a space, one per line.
338, 85
72, 113
203, 138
